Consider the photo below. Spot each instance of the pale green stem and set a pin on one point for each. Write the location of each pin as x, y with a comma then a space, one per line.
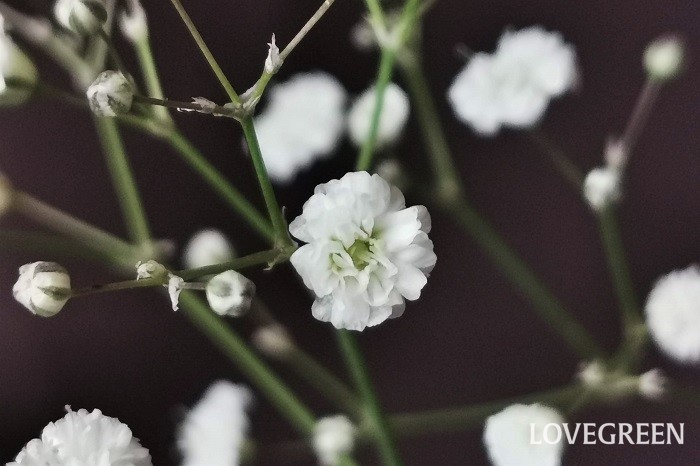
375, 418
123, 180
376, 13
223, 80
276, 215
144, 54
558, 158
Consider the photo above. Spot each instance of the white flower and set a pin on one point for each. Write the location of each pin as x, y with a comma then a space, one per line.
273, 60
366, 251
6, 194
213, 431
513, 86
150, 269
230, 293
14, 65
133, 22
652, 384
84, 439
663, 58
111, 94
333, 436
601, 188
507, 436
175, 287
592, 374
42, 287
81, 16
673, 314
303, 121
394, 115
207, 247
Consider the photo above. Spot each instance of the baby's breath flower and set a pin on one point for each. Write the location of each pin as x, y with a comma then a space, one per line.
133, 22
14, 65
663, 58
175, 286
43, 288
273, 62
302, 122
601, 188
150, 269
81, 16
214, 429
84, 438
507, 436
111, 94
230, 293
207, 247
366, 253
673, 314
333, 436
394, 115
652, 384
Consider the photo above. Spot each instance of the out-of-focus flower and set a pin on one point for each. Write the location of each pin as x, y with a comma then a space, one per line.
673, 314
207, 247
395, 109
592, 374
652, 384
81, 16
508, 436
83, 438
43, 288
230, 293
663, 58
214, 429
333, 436
601, 188
17, 66
513, 86
366, 253
272, 340
111, 94
133, 22
303, 121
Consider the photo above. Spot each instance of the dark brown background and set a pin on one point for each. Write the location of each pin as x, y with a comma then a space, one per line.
470, 338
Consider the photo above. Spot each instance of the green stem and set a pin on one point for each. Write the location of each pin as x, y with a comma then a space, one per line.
276, 215
568, 170
223, 80
123, 180
375, 417
144, 54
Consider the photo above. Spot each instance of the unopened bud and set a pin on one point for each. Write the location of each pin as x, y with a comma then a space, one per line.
81, 16
43, 288
133, 22
111, 94
150, 269
663, 58
207, 247
333, 436
230, 293
601, 188
272, 341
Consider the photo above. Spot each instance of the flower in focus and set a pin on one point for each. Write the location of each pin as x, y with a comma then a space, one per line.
366, 253
111, 94
333, 436
507, 436
175, 286
207, 247
394, 115
303, 121
214, 429
230, 293
513, 86
14, 65
150, 269
83, 438
43, 288
601, 188
673, 314
81, 16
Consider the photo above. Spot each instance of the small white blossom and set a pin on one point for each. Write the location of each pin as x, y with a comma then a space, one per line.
394, 116
6, 194
333, 436
592, 374
302, 122
652, 384
43, 288
150, 269
272, 340
111, 94
273, 62
673, 314
214, 429
14, 65
507, 436
230, 293
175, 287
207, 247
83, 438
366, 253
663, 58
513, 86
601, 188
133, 22
81, 16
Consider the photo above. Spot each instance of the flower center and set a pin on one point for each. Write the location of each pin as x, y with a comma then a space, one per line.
360, 253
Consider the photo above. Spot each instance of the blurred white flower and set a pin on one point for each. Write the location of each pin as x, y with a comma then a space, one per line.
652, 384
133, 22
207, 247
84, 438
111, 94
673, 314
272, 340
366, 251
394, 116
43, 288
663, 58
14, 65
303, 121
333, 436
513, 86
508, 436
214, 429
230, 293
601, 188
81, 16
